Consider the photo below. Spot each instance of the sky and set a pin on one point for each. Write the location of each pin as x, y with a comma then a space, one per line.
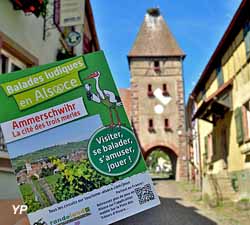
78, 130
197, 26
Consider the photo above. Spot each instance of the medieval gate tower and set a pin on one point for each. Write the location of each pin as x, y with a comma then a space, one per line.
157, 102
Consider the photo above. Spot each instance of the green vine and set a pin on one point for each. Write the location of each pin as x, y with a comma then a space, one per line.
77, 178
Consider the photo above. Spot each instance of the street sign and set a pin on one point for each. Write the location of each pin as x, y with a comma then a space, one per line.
69, 12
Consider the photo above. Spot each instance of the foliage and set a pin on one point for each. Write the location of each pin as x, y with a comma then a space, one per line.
33, 177
52, 181
47, 172
44, 8
29, 198
245, 200
153, 158
77, 178
19, 168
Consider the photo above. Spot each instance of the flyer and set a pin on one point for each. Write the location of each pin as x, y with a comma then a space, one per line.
75, 156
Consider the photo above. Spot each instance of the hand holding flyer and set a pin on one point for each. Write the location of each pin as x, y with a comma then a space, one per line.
75, 156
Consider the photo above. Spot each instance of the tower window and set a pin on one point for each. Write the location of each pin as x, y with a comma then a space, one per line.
150, 125
156, 66
150, 91
165, 90
149, 88
166, 125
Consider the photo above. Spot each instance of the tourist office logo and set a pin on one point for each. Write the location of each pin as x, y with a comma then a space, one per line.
84, 212
20, 209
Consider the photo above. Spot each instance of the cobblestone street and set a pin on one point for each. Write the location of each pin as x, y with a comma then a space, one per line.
176, 209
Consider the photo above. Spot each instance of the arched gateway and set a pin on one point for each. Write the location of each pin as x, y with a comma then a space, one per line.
155, 100
171, 153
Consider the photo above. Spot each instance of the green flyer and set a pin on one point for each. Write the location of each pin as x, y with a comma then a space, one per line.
73, 150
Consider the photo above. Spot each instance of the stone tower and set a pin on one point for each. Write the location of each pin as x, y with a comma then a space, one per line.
157, 102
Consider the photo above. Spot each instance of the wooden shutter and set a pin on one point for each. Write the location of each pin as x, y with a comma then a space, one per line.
219, 74
214, 142
239, 125
247, 38
206, 146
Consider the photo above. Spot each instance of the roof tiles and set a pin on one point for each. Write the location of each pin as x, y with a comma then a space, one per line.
155, 39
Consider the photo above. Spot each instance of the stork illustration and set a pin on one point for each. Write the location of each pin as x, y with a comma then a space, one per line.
105, 97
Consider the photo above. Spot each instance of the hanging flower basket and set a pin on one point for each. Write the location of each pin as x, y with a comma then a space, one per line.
37, 7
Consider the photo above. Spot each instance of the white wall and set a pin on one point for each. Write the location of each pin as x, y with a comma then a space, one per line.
27, 31
8, 187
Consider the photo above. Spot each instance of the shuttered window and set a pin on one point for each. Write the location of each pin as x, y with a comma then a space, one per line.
246, 120
214, 142
165, 90
206, 146
150, 91
219, 74
239, 125
209, 146
247, 38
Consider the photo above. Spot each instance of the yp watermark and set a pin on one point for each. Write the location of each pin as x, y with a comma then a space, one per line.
19, 209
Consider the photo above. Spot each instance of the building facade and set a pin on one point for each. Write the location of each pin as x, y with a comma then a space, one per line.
26, 41
219, 113
156, 93
194, 156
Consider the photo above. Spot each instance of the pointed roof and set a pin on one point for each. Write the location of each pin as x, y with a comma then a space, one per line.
155, 38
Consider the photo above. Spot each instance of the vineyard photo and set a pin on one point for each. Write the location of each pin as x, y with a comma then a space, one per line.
56, 168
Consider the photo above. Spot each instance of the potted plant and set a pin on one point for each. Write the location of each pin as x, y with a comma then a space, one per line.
37, 7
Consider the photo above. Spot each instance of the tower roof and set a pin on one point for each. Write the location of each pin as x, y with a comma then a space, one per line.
155, 38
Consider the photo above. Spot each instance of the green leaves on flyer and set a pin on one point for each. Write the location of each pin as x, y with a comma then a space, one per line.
40, 94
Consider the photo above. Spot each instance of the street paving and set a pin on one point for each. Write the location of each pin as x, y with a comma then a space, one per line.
174, 210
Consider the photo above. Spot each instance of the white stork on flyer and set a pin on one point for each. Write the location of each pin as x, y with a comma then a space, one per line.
105, 97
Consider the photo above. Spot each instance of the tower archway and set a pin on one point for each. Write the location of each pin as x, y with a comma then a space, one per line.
171, 154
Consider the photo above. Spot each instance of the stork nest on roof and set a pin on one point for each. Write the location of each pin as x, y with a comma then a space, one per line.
153, 11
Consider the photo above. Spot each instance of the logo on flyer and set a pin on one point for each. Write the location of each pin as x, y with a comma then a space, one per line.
84, 212
40, 222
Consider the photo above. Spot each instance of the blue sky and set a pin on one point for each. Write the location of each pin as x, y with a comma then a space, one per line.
78, 130
197, 25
